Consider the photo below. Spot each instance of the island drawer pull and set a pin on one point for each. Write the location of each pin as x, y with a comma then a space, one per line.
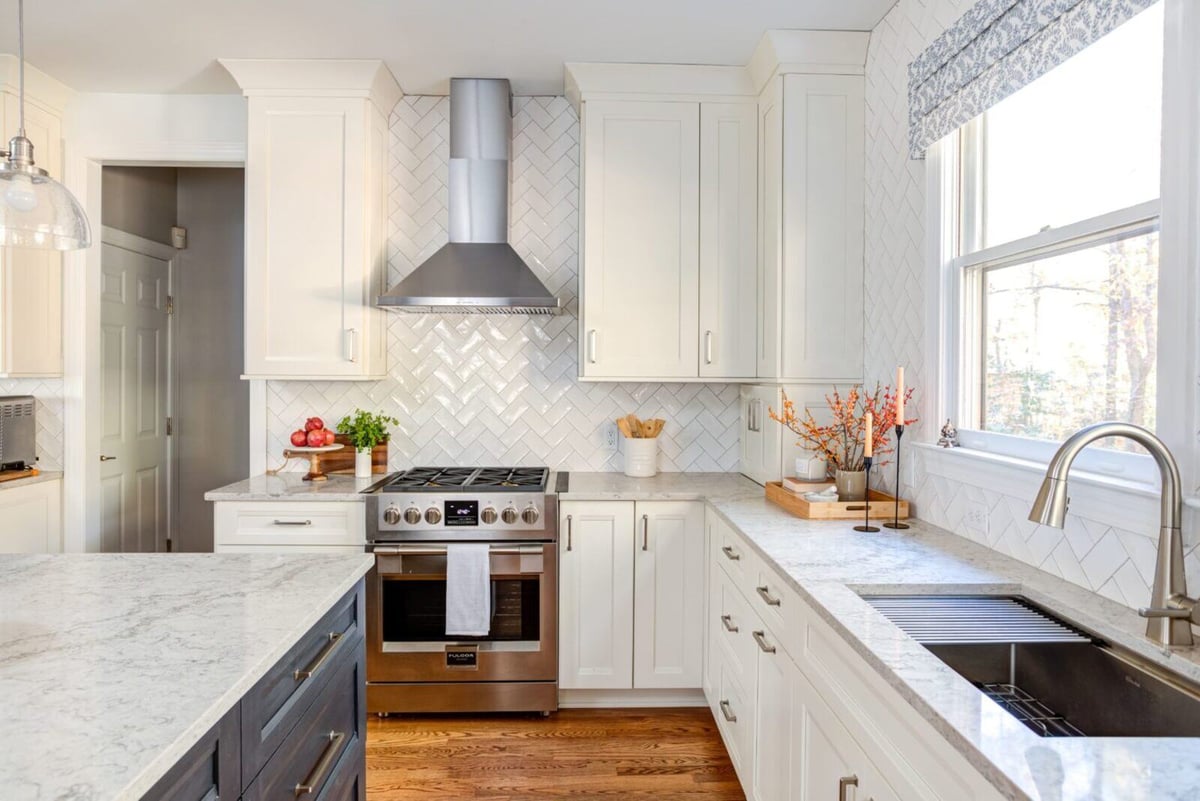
766, 647
730, 554
317, 774
766, 596
293, 522
727, 622
727, 712
315, 665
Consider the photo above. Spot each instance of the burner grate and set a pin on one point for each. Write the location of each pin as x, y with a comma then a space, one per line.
511, 477
434, 479
1030, 711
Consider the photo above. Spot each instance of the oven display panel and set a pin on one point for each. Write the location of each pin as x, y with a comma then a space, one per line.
462, 513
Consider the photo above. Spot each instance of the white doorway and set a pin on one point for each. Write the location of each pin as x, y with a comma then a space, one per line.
135, 393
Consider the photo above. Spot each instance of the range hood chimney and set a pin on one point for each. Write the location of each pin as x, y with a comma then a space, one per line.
478, 272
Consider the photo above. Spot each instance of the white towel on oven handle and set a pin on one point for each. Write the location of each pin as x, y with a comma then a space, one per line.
468, 590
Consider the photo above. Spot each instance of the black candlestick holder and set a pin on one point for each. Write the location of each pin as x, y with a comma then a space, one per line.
866, 526
895, 523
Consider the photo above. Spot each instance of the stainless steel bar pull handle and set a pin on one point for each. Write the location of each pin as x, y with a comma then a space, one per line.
351, 344
104, 458
317, 775
727, 622
645, 532
727, 712
708, 353
315, 665
760, 638
293, 522
591, 346
770, 599
569, 532
844, 784
730, 554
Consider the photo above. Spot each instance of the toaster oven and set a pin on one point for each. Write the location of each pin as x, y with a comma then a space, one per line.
18, 432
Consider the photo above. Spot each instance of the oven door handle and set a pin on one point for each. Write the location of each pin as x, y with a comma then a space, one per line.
406, 550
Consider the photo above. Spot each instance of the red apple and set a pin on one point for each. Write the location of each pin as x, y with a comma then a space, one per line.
316, 438
299, 439
330, 437
314, 424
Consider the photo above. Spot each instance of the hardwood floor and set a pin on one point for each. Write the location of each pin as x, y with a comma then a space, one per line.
577, 754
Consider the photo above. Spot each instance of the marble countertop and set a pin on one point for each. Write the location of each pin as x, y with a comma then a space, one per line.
112, 666
829, 564
43, 476
292, 487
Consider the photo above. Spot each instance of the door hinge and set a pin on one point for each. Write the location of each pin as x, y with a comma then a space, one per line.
170, 304
170, 426
178, 237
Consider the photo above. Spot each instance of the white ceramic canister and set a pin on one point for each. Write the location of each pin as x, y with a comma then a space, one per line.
641, 457
362, 462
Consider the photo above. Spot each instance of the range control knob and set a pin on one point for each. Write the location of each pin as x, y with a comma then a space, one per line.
412, 515
530, 515
488, 515
509, 515
391, 515
433, 515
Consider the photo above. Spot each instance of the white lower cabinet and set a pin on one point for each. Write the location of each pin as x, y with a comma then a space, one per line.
294, 527
31, 518
631, 595
775, 724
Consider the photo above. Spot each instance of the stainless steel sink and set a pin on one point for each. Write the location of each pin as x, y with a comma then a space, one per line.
1053, 676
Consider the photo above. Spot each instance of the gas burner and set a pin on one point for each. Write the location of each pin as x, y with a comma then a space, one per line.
510, 478
432, 479
459, 479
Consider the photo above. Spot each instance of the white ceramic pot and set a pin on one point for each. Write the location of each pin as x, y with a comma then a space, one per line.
851, 485
641, 457
362, 462
811, 467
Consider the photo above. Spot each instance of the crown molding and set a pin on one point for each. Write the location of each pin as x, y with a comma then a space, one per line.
809, 52
593, 81
368, 78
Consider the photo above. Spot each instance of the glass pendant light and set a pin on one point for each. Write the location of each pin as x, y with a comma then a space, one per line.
36, 211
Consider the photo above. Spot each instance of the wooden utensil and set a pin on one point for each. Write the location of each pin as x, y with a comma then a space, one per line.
635, 425
647, 429
656, 426
623, 427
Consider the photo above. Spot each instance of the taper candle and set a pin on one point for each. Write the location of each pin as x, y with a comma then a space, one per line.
899, 396
869, 436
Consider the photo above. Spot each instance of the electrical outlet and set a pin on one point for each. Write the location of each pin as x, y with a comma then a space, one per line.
976, 518
610, 436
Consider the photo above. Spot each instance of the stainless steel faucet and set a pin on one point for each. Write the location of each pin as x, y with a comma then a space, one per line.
1171, 612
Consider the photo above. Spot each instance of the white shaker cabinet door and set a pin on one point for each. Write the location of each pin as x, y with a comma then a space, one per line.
668, 594
728, 239
776, 730
595, 613
31, 518
640, 239
314, 237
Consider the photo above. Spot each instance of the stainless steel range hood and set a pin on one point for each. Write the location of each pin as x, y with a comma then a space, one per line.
478, 272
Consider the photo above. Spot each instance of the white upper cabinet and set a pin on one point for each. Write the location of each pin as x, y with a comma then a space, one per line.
728, 239
316, 205
641, 200
812, 141
31, 280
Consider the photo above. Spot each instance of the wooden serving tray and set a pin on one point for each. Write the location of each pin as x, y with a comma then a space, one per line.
881, 506
13, 475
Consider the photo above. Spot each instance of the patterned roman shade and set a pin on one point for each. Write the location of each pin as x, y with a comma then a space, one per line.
998, 47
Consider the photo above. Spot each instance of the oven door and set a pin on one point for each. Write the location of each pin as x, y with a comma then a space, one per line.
406, 617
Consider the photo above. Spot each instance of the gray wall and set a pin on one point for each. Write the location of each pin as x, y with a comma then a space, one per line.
140, 200
212, 403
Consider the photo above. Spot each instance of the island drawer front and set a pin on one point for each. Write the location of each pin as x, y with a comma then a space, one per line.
210, 770
285, 524
330, 732
348, 782
274, 706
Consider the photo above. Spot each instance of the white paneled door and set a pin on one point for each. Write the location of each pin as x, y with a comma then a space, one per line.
596, 595
668, 629
134, 375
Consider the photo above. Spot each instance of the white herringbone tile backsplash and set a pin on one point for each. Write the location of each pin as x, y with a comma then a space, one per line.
49, 394
1116, 563
503, 390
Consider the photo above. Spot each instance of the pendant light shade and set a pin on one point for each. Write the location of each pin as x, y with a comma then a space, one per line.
36, 211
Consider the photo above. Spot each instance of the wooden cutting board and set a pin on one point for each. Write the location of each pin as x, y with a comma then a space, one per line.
13, 475
341, 463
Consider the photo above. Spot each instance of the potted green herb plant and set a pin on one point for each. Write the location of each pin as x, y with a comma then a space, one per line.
365, 430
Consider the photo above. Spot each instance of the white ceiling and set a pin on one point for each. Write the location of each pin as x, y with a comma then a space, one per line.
171, 45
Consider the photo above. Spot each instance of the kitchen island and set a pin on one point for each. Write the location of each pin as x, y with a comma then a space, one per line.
121, 674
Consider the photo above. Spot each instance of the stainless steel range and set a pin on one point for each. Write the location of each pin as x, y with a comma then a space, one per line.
412, 664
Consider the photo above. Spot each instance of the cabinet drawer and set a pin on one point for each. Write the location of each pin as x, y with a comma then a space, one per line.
731, 552
208, 771
733, 708
273, 707
348, 781
287, 524
329, 731
778, 605
731, 626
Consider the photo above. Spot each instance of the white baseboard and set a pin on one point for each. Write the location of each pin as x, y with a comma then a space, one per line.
630, 699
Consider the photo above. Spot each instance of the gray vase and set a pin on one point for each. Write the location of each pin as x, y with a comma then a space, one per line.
851, 484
